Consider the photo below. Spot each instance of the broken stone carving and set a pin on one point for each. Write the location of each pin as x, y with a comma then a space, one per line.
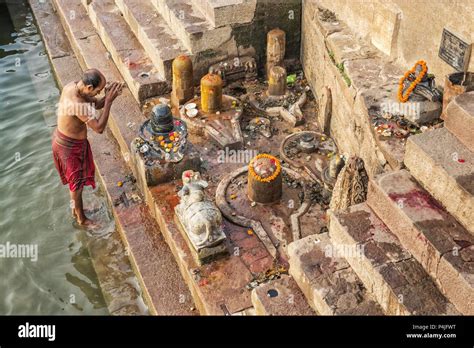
234, 69
351, 185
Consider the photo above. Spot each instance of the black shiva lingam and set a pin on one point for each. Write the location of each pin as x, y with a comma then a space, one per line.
162, 136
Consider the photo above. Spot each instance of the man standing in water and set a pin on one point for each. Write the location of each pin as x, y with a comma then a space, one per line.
71, 150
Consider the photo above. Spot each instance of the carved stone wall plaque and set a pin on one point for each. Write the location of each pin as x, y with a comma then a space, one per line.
454, 50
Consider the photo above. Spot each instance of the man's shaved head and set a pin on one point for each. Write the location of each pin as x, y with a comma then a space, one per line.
93, 77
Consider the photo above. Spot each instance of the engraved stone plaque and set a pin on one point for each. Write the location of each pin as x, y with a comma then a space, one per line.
454, 51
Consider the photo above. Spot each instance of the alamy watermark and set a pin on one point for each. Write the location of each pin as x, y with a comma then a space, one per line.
235, 156
344, 251
20, 251
406, 109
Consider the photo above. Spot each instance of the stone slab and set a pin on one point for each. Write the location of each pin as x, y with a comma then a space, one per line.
437, 241
154, 34
280, 297
385, 26
54, 38
142, 77
445, 167
328, 282
192, 27
389, 272
460, 119
227, 12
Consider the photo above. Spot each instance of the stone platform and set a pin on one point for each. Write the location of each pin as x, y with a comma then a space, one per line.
329, 284
280, 297
445, 167
397, 280
437, 241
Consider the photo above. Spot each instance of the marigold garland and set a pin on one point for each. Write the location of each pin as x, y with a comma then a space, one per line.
271, 177
404, 98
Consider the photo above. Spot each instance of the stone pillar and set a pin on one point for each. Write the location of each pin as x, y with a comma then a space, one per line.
211, 93
183, 87
277, 81
276, 41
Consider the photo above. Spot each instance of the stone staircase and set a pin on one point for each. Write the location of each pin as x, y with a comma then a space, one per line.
411, 245
417, 254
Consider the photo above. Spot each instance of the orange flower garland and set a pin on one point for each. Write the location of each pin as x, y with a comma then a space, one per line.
271, 177
424, 69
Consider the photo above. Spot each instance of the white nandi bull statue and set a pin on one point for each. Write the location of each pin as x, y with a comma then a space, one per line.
200, 217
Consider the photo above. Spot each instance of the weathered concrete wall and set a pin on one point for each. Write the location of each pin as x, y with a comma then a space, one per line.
408, 30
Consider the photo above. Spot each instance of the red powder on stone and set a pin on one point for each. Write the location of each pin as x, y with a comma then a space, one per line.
461, 160
416, 199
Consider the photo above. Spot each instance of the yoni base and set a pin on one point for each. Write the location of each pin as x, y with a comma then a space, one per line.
162, 171
205, 254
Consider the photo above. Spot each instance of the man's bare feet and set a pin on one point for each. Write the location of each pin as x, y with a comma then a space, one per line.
88, 223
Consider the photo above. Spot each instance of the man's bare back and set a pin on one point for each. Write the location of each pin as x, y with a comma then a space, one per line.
68, 122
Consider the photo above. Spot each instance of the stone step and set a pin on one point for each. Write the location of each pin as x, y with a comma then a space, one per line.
142, 77
193, 29
226, 12
280, 297
388, 271
445, 167
126, 116
154, 34
459, 118
442, 246
163, 287
330, 285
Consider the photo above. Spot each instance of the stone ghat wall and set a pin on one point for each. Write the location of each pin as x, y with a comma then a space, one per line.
408, 30
271, 14
359, 80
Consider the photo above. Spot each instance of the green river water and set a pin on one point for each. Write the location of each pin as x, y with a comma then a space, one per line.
34, 206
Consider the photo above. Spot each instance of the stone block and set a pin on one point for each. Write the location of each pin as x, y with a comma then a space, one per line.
434, 238
227, 12
459, 119
329, 284
385, 27
153, 33
280, 297
445, 167
143, 79
388, 270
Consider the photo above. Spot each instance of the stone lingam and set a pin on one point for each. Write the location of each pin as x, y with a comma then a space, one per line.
315, 153
264, 179
161, 152
214, 114
200, 220
419, 99
278, 99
